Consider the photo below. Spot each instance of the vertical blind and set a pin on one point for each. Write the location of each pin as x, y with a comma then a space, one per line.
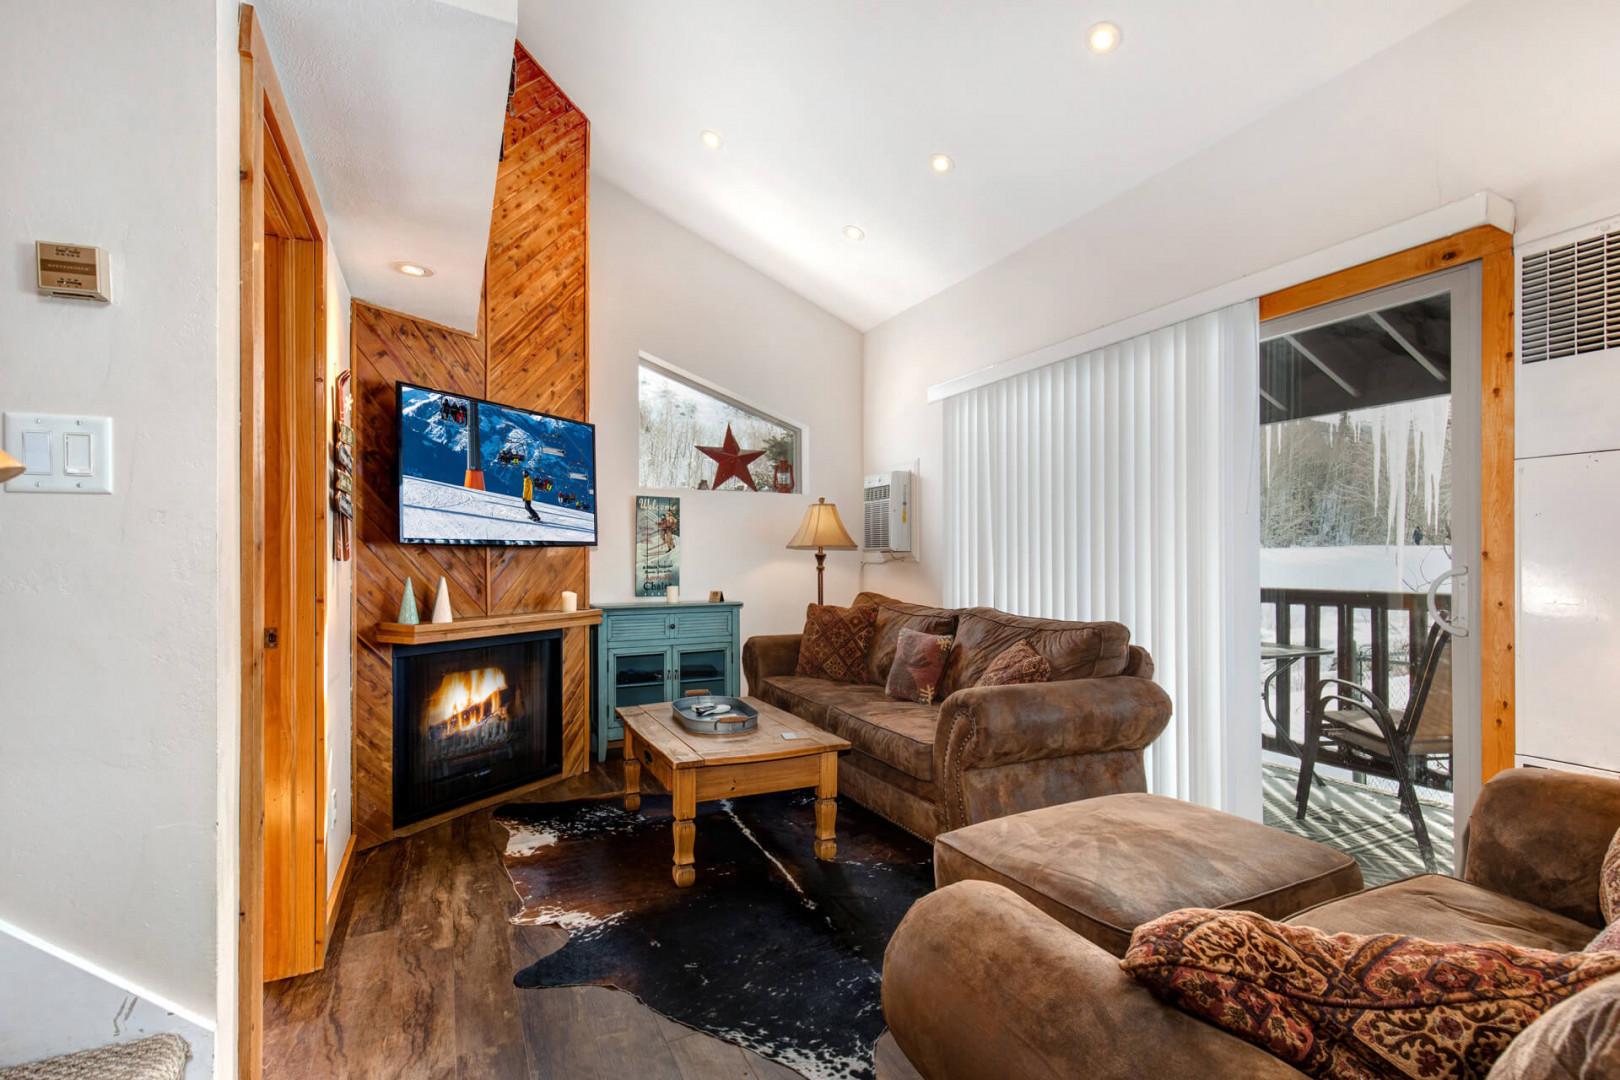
1123, 484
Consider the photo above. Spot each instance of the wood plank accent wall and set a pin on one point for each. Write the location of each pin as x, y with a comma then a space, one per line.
531, 350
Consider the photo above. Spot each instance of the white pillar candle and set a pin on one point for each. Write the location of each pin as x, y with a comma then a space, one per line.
672, 593
570, 601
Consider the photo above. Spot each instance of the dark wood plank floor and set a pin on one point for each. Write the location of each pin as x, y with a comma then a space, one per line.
418, 981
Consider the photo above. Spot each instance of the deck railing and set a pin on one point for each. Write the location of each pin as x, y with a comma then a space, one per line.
1361, 654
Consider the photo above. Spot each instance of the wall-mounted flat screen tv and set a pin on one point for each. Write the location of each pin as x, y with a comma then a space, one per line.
477, 472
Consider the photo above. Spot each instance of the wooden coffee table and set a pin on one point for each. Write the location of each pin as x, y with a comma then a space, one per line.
698, 767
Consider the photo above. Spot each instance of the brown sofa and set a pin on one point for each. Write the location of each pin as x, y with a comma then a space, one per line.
982, 752
980, 983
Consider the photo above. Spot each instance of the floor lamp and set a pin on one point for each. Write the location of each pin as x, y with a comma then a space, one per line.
821, 531
10, 467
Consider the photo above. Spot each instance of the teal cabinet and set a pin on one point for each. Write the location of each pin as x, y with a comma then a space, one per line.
650, 651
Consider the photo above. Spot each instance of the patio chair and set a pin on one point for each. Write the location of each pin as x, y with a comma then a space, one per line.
1364, 734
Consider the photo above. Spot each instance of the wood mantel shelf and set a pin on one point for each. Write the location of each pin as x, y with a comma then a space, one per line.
484, 626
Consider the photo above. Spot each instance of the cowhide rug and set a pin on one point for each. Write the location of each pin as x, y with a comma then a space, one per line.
769, 949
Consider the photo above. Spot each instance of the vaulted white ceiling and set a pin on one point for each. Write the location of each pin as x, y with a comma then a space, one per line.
399, 105
829, 111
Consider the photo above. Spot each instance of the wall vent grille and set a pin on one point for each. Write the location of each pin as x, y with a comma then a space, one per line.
875, 534
1569, 299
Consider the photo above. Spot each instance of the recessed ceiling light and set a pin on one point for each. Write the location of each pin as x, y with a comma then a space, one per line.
941, 163
854, 232
1104, 37
410, 269
711, 139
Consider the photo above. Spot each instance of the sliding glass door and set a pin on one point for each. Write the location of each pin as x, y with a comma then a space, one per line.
1369, 534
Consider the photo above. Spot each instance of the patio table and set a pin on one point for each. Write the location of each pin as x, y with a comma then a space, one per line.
1284, 657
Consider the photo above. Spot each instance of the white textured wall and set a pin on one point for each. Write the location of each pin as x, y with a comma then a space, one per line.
117, 607
658, 288
339, 611
1501, 96
70, 1007
228, 534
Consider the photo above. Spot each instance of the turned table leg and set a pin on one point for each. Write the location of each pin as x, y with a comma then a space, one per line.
827, 807
683, 803
632, 773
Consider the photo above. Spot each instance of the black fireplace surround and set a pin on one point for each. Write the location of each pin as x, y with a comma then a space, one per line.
473, 719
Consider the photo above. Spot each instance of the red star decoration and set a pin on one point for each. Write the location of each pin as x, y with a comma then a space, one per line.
731, 460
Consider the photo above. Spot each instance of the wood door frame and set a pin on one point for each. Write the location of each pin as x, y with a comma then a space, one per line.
276, 181
1492, 248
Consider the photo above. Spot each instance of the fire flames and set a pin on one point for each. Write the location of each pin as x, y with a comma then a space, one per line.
466, 700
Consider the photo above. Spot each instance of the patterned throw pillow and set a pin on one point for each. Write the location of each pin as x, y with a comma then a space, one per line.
1608, 939
1352, 1006
835, 642
1609, 881
919, 661
1017, 663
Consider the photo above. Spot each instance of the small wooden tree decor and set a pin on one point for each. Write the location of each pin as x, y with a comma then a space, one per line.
407, 606
441, 603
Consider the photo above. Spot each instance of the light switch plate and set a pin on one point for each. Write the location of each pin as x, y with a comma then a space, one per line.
64, 454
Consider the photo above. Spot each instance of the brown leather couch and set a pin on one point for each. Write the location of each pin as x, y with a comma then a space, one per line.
982, 752
979, 983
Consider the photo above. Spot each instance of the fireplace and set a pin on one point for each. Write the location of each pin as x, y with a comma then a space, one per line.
473, 719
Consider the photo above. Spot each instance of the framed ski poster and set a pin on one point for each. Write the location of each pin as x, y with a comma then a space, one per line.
658, 544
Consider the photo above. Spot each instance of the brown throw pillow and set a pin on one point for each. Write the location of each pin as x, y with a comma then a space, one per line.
1017, 663
894, 616
835, 642
919, 661
1353, 1006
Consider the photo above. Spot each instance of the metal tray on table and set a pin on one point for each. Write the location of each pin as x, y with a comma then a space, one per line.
711, 714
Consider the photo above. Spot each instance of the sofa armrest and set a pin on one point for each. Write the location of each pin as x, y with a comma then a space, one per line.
1000, 750
1539, 835
977, 982
767, 655
985, 726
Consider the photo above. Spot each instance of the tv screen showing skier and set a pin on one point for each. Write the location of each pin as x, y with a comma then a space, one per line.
476, 472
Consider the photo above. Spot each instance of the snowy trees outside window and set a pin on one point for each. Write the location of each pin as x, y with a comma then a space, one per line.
678, 416
1377, 477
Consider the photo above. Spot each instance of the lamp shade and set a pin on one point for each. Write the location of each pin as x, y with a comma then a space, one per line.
10, 467
822, 528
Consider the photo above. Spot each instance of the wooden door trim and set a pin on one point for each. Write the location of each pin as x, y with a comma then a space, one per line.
250, 44
1455, 250
250, 838
273, 169
1492, 248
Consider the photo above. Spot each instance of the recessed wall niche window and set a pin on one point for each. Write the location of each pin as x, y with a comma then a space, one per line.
694, 435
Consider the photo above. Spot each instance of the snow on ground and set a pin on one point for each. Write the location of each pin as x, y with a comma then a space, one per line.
1354, 567
452, 514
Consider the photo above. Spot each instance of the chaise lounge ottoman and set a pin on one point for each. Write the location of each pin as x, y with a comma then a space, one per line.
1104, 866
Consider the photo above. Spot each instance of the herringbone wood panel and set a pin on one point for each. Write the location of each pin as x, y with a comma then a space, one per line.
532, 351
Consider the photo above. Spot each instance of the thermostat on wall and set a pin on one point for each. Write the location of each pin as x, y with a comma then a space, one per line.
73, 270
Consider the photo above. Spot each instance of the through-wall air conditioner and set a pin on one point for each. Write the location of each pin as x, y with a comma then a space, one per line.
887, 521
1569, 343
1567, 499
